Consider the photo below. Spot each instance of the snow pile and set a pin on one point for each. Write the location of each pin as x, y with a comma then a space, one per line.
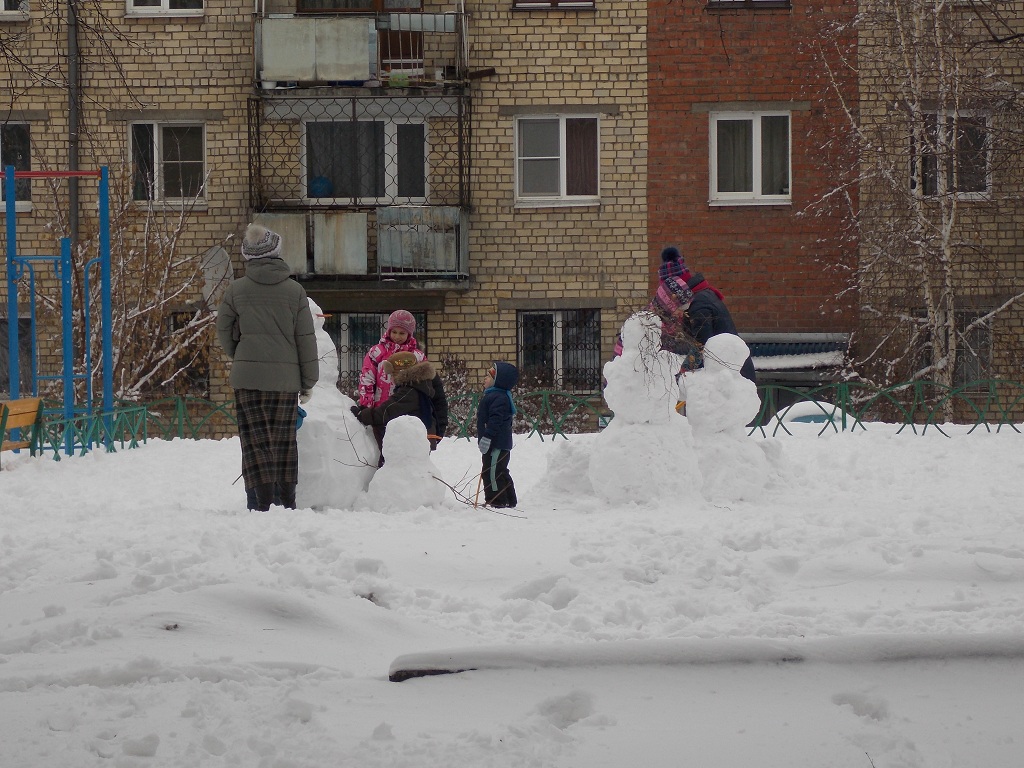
408, 478
148, 621
719, 404
647, 451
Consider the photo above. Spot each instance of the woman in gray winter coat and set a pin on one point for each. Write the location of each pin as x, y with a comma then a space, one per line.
265, 327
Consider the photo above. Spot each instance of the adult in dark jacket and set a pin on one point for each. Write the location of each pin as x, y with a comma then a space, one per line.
265, 326
494, 434
669, 303
413, 394
708, 316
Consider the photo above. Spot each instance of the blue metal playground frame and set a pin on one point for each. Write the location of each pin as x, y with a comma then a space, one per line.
18, 266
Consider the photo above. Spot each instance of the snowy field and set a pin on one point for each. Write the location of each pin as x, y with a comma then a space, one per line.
864, 609
670, 592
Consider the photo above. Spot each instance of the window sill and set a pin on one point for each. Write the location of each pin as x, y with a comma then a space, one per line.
591, 202
714, 6
13, 16
541, 5
20, 206
779, 203
191, 14
960, 197
171, 205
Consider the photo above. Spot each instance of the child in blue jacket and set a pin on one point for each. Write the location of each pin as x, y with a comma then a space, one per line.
494, 435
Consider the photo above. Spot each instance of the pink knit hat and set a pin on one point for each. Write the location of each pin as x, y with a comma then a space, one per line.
403, 319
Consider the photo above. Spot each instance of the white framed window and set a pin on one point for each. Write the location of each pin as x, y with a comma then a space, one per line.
557, 160
165, 7
951, 155
750, 158
16, 150
365, 161
13, 10
560, 348
168, 161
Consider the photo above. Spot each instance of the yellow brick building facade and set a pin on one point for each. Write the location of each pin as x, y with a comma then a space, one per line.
545, 263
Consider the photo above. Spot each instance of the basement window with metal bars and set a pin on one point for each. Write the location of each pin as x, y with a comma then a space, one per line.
560, 349
353, 335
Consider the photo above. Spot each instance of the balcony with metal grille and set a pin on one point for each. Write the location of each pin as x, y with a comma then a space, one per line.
359, 145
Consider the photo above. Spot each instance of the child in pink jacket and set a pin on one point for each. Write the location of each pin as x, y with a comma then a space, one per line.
399, 336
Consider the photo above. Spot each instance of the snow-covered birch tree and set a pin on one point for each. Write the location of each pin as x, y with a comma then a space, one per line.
935, 202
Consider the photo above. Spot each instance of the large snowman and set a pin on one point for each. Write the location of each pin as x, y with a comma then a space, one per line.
646, 452
337, 454
720, 402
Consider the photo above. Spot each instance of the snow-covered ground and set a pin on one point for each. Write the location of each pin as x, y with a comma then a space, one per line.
147, 619
669, 592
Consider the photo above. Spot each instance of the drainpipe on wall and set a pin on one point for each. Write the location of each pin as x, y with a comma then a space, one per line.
74, 92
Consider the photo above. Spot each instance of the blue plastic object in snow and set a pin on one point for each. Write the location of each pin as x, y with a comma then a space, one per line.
301, 415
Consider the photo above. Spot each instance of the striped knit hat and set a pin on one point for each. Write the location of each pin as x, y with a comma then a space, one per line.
260, 243
672, 265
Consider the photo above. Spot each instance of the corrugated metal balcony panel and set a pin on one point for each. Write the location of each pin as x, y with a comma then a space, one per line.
349, 50
343, 50
422, 240
316, 49
340, 243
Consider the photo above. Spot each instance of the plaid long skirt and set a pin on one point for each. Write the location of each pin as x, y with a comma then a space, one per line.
266, 427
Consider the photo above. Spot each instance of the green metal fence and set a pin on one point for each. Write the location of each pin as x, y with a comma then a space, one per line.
915, 407
132, 424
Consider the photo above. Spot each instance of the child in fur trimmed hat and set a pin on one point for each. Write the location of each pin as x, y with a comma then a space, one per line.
412, 395
375, 380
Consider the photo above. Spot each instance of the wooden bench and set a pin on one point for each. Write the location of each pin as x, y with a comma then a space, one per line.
25, 414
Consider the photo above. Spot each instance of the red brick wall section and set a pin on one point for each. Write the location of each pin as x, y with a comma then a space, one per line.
780, 267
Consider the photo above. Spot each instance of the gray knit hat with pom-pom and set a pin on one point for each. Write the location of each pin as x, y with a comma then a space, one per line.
260, 243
